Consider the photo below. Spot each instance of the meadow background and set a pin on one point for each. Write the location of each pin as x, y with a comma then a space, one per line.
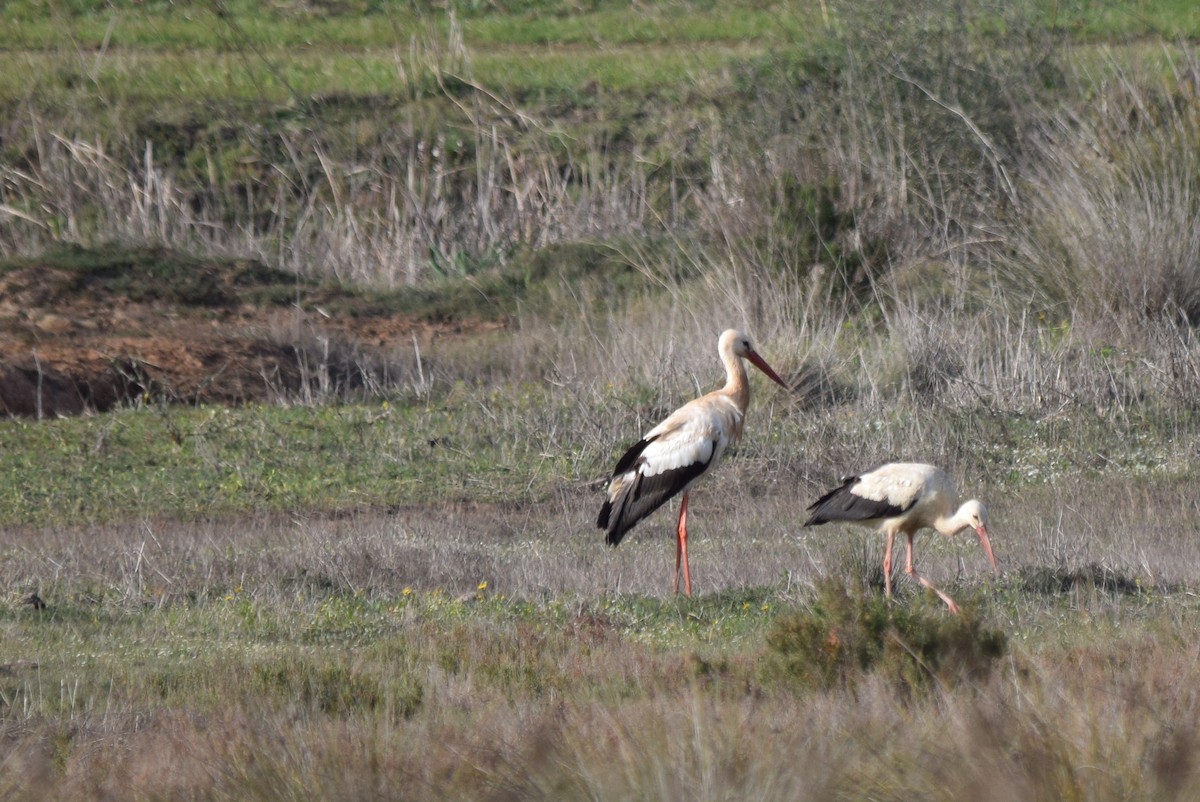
965, 232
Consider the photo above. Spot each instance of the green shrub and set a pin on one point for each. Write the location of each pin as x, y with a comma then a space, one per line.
845, 637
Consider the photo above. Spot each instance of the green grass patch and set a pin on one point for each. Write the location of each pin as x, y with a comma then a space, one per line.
338, 653
197, 463
160, 274
256, 26
136, 78
485, 444
354, 660
1108, 20
485, 289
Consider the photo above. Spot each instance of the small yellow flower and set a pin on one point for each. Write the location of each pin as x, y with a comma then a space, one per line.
407, 591
482, 585
766, 607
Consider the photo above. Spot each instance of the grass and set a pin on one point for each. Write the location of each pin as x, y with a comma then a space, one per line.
406, 596
332, 589
1107, 21
218, 461
201, 27
140, 80
480, 446
147, 57
320, 644
332, 142
156, 274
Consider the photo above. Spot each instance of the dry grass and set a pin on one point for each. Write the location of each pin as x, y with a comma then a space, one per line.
1106, 237
275, 657
358, 222
497, 650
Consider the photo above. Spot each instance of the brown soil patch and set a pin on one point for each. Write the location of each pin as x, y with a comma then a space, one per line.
69, 345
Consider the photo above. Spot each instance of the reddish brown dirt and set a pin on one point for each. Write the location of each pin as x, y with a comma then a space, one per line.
65, 349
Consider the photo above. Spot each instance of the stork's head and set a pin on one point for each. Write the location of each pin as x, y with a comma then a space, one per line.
973, 514
734, 342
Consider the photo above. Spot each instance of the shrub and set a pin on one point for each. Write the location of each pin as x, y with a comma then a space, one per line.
846, 636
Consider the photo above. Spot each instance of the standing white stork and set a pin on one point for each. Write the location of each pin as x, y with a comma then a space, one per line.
903, 497
681, 449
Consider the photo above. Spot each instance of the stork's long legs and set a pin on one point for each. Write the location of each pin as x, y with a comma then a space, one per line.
681, 548
908, 569
887, 563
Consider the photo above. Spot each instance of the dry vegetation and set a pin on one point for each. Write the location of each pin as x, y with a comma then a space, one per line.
963, 237
359, 656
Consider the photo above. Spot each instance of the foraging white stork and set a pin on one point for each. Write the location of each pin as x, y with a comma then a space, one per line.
675, 453
903, 497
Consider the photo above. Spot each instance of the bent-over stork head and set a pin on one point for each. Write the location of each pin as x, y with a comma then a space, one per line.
974, 515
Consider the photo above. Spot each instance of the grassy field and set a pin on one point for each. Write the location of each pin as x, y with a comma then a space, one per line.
966, 238
344, 602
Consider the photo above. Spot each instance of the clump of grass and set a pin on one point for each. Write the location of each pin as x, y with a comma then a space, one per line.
1106, 233
844, 637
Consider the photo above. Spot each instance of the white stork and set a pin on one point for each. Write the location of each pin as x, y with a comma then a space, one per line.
903, 497
681, 449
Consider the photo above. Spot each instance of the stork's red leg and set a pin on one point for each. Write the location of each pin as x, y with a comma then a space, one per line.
678, 550
681, 548
911, 571
887, 563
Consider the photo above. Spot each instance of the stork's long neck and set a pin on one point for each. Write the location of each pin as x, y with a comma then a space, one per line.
952, 524
737, 383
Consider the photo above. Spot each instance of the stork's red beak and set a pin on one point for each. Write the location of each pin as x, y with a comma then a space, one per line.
987, 547
762, 365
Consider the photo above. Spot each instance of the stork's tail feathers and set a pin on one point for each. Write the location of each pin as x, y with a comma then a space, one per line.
623, 508
614, 534
632, 496
621, 487
825, 508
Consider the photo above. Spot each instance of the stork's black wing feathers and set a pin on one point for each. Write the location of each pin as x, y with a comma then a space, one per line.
630, 456
644, 494
625, 463
843, 504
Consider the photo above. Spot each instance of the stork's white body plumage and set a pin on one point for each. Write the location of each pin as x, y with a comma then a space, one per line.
674, 454
903, 497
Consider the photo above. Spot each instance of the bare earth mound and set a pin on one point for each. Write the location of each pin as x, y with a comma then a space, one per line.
100, 328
